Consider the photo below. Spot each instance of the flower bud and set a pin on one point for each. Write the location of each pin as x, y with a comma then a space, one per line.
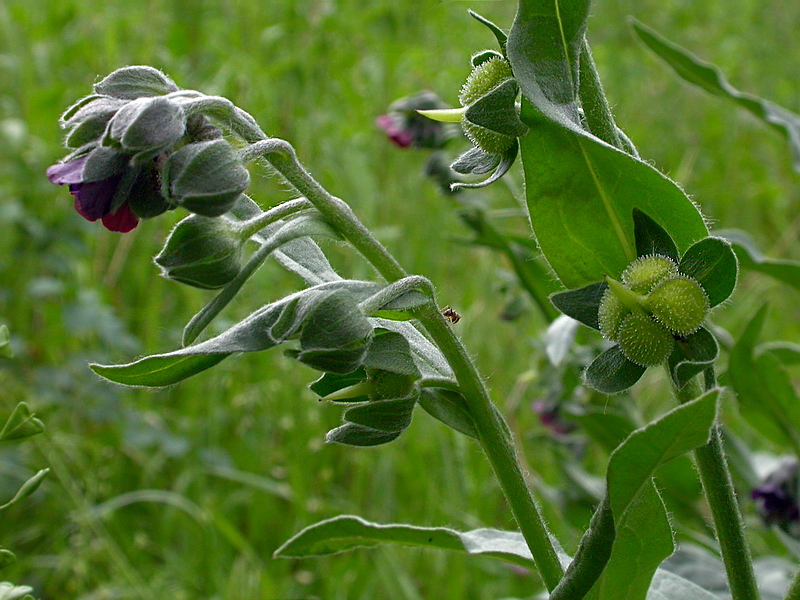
88, 123
202, 252
129, 83
146, 125
205, 177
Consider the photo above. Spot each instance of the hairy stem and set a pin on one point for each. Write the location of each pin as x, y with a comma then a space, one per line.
721, 498
493, 432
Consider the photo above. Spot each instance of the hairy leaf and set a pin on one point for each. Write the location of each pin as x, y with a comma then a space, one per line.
612, 372
712, 262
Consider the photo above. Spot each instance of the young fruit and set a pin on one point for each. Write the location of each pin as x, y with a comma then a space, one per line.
483, 79
610, 315
680, 304
644, 341
646, 272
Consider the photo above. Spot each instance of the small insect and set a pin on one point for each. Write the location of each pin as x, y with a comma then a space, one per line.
451, 315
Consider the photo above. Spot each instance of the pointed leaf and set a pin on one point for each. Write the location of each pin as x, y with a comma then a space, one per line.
388, 416
21, 424
497, 110
651, 238
353, 434
692, 355
713, 264
612, 372
501, 36
344, 533
751, 258
709, 78
450, 408
766, 396
643, 536
329, 383
581, 304
253, 334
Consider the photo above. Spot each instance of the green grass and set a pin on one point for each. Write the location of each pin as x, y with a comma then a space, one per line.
239, 450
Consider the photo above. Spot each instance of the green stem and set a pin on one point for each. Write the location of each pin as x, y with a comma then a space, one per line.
721, 498
794, 589
252, 226
595, 104
493, 432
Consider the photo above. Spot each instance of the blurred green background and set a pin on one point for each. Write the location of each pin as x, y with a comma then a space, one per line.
237, 454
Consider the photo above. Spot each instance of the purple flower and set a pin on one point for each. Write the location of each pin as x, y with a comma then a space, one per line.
550, 416
406, 127
777, 497
94, 199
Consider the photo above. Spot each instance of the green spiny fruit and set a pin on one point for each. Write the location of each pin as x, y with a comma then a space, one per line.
610, 315
646, 272
484, 78
680, 304
644, 341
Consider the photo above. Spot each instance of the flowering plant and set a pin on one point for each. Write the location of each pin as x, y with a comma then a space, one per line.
631, 252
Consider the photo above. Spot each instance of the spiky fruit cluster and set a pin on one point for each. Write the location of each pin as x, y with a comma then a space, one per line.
653, 304
483, 79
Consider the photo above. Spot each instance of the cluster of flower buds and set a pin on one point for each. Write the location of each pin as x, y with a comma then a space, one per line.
136, 152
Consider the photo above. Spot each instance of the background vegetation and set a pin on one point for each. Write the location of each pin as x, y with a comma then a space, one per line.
186, 493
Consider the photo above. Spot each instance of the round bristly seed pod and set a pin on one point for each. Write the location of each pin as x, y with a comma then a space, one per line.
486, 139
610, 315
646, 272
484, 78
680, 304
644, 341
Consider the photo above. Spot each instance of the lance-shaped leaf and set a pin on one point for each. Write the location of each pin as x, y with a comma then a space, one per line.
708, 77
651, 238
643, 536
374, 423
263, 329
581, 192
27, 488
612, 372
449, 407
766, 395
344, 533
752, 259
477, 162
581, 304
499, 34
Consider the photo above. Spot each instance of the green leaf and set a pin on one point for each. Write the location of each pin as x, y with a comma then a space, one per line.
27, 488
581, 304
651, 238
606, 425
344, 533
271, 238
708, 77
751, 258
612, 372
581, 192
692, 355
21, 424
353, 434
643, 534
265, 328
713, 264
501, 36
329, 383
391, 351
497, 110
388, 416
450, 408
428, 359
766, 396
300, 256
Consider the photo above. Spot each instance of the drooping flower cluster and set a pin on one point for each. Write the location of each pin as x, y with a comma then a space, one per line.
138, 149
778, 497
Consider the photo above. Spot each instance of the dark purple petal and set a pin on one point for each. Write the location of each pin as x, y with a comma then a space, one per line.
68, 173
121, 221
394, 126
93, 199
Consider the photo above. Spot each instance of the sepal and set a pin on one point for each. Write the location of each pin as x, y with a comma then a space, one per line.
129, 83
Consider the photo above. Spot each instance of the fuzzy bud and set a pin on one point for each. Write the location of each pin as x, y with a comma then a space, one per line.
205, 177
202, 252
148, 125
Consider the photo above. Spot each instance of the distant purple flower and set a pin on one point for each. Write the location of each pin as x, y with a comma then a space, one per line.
777, 497
550, 416
405, 127
93, 199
